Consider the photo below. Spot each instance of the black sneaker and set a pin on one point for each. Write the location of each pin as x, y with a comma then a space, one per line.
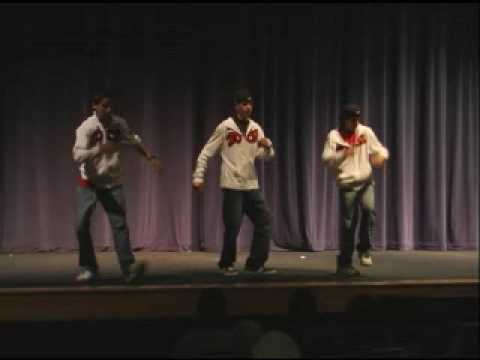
347, 271
135, 272
229, 271
262, 270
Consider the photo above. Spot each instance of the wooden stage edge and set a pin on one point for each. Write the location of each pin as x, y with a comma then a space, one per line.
180, 300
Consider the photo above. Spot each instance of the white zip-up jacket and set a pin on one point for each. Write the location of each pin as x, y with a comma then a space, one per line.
356, 168
101, 170
238, 153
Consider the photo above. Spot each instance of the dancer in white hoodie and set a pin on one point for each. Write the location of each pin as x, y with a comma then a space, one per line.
97, 150
240, 141
352, 150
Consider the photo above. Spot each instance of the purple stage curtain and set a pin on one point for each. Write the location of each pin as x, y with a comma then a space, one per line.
172, 70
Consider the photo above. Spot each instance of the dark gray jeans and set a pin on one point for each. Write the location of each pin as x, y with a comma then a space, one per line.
252, 203
356, 202
113, 201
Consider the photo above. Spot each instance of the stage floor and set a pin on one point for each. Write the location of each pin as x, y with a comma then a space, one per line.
41, 287
200, 268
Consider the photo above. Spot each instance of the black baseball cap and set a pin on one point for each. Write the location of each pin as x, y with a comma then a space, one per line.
350, 110
242, 95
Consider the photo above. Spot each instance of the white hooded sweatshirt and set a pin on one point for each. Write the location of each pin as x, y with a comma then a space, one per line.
101, 170
238, 153
356, 168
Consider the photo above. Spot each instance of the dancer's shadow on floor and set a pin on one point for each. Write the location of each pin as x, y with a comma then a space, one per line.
283, 275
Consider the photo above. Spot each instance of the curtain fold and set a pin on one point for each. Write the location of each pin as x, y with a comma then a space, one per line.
172, 70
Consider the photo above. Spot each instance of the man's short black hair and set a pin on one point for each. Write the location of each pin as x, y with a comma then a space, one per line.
99, 97
242, 95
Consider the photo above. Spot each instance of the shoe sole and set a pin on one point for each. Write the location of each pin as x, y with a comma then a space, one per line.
230, 274
348, 275
269, 272
262, 272
85, 281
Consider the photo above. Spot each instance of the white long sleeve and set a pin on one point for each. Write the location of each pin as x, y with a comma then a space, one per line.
375, 146
82, 150
355, 168
262, 153
210, 149
330, 154
238, 153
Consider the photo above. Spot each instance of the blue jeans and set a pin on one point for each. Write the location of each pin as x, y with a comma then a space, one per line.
113, 201
252, 203
356, 202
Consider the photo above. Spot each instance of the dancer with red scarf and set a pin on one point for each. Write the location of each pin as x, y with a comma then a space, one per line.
352, 150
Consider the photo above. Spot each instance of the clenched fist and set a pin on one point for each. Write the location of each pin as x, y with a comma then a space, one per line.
265, 142
377, 160
198, 184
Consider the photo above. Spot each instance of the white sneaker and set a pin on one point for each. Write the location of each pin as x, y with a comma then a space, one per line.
229, 271
365, 258
262, 270
86, 276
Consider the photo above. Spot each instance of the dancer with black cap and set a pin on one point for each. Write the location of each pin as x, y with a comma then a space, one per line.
240, 141
352, 150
